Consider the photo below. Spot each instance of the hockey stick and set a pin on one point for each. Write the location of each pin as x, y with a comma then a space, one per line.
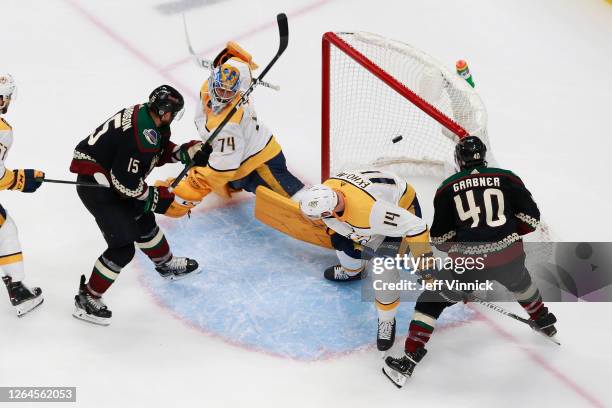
531, 323
283, 31
76, 183
207, 64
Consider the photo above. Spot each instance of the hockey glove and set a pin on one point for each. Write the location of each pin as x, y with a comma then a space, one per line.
158, 200
196, 153
27, 180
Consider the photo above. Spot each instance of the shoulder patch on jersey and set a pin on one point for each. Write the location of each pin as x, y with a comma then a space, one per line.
147, 135
151, 135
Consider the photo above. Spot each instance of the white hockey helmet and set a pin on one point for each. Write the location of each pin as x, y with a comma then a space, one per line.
318, 202
7, 88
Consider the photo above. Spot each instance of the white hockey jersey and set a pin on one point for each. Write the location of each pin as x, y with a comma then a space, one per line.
377, 204
6, 141
242, 145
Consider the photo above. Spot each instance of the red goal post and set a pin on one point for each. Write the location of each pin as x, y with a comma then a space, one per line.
375, 90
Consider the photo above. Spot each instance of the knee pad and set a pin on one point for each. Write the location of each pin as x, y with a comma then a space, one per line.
9, 240
520, 283
343, 244
431, 304
120, 256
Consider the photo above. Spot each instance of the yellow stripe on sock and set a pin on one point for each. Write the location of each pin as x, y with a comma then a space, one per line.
266, 174
11, 259
389, 306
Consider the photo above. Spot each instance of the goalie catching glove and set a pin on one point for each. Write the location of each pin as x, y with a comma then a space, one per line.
27, 180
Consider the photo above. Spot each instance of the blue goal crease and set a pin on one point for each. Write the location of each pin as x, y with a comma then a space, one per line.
265, 291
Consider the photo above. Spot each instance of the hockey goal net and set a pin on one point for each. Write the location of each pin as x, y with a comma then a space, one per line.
387, 104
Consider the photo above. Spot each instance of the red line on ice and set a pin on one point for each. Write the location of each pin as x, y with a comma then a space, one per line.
569, 384
133, 50
255, 30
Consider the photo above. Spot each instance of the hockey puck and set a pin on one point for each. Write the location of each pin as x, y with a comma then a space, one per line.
397, 138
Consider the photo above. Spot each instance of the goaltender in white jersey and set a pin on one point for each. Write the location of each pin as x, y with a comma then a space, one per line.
368, 207
245, 154
22, 298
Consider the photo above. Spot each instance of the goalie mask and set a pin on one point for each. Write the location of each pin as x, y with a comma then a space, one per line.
318, 202
223, 86
7, 89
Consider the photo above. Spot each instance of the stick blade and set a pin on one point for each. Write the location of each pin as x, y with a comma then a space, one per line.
283, 31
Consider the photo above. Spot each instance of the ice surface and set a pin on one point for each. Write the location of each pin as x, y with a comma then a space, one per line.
264, 291
543, 71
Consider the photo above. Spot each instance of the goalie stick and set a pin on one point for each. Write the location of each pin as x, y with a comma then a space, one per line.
283, 31
207, 64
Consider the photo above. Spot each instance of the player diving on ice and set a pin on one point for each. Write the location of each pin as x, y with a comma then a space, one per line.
24, 299
369, 207
245, 154
479, 212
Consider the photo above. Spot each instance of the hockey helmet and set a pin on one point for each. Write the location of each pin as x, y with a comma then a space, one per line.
7, 89
166, 99
470, 152
318, 201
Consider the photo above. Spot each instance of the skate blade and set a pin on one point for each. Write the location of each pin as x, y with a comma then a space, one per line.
26, 307
398, 379
552, 338
174, 277
83, 315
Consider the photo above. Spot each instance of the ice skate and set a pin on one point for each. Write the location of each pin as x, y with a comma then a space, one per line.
178, 268
23, 299
90, 308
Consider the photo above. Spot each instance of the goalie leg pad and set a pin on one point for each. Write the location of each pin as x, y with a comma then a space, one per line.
284, 215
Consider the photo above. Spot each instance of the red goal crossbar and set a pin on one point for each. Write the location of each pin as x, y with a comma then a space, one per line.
330, 38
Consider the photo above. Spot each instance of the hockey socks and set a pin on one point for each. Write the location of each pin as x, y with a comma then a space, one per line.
104, 274
155, 246
419, 332
531, 300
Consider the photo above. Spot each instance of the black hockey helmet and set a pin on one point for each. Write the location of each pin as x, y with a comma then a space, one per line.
165, 99
470, 152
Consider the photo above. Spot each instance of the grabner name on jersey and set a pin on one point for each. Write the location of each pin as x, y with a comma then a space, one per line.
476, 182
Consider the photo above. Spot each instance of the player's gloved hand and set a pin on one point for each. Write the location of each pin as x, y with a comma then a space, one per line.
195, 152
440, 281
27, 180
159, 200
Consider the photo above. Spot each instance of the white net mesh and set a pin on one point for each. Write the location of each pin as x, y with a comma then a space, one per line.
371, 124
